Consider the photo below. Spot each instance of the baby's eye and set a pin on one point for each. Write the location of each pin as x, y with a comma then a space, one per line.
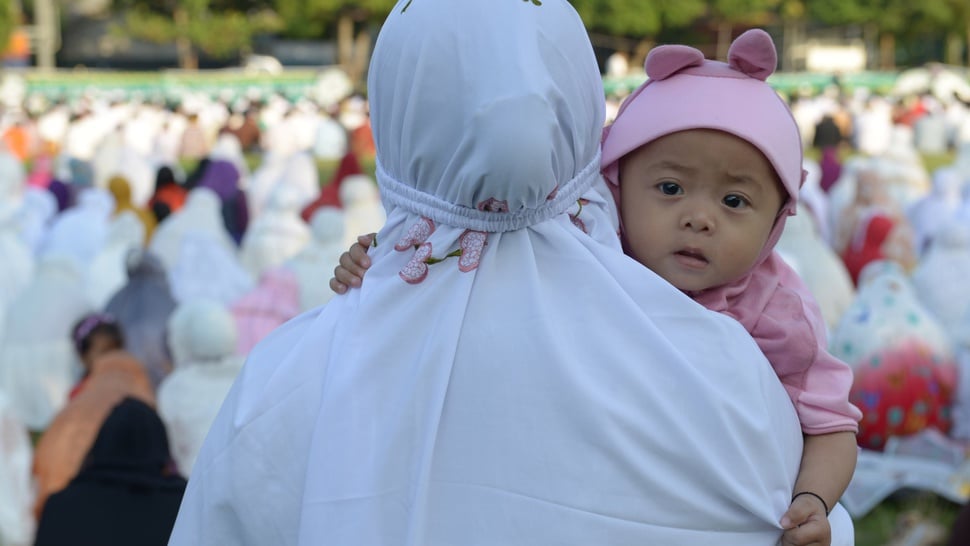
670, 188
735, 201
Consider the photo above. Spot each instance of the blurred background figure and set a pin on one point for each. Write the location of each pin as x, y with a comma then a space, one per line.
126, 491
202, 336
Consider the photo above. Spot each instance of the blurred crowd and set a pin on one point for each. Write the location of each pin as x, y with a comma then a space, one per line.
148, 246
145, 248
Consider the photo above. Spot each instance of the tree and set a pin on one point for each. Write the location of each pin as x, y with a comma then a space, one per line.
731, 13
640, 20
9, 19
951, 17
352, 21
885, 18
217, 28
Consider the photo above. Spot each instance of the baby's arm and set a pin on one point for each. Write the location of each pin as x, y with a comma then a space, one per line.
353, 263
828, 462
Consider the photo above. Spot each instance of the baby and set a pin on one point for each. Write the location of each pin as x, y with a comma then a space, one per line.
704, 161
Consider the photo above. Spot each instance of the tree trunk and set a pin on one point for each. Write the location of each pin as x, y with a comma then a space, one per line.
188, 59
639, 53
724, 30
345, 42
360, 58
870, 33
953, 54
887, 51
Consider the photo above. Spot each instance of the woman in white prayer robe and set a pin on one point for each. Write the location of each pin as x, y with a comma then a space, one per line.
202, 338
82, 230
320, 256
16, 488
38, 365
277, 235
108, 272
202, 214
539, 388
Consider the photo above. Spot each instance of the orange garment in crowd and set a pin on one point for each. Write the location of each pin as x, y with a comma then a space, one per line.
172, 196
64, 445
18, 47
17, 140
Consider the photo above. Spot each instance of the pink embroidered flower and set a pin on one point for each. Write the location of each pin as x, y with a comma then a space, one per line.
471, 243
417, 234
493, 205
417, 268
578, 223
552, 195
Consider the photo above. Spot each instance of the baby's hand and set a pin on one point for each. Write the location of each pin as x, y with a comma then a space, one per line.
806, 524
353, 264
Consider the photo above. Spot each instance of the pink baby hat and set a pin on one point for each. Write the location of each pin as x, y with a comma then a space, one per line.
685, 91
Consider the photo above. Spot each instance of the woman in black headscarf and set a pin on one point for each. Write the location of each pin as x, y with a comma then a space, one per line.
126, 492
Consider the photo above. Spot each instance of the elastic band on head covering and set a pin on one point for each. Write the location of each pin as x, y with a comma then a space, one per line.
439, 210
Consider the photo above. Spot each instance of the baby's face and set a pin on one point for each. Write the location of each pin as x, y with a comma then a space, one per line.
698, 206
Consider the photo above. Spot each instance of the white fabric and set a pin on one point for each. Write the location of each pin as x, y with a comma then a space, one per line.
13, 178
319, 258
331, 139
17, 260
200, 215
940, 278
279, 233
81, 231
205, 269
38, 365
16, 490
931, 212
536, 399
818, 265
37, 211
108, 272
363, 211
265, 179
202, 335
885, 311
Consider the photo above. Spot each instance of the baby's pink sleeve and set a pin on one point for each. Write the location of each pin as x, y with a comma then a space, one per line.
791, 333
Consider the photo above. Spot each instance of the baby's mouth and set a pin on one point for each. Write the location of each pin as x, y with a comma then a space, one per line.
691, 257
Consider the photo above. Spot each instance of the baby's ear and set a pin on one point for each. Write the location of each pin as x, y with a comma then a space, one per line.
666, 60
753, 53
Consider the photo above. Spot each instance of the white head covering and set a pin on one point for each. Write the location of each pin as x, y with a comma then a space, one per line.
277, 235
81, 231
818, 265
37, 211
886, 312
16, 487
363, 211
17, 260
200, 215
108, 272
202, 337
13, 178
38, 365
207, 269
529, 391
940, 278
933, 211
320, 257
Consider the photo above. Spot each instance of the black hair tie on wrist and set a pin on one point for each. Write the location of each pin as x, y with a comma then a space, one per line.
816, 495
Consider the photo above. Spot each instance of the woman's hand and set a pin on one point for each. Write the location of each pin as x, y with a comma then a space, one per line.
353, 263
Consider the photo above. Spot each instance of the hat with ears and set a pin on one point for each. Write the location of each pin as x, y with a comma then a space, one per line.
686, 91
